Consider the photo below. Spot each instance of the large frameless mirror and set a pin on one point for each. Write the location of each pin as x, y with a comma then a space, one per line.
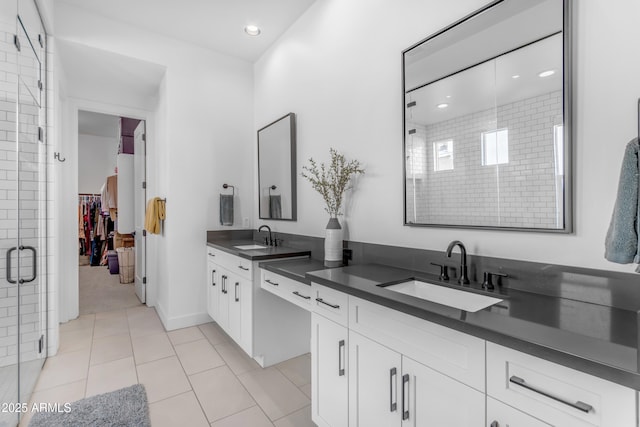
487, 120
277, 169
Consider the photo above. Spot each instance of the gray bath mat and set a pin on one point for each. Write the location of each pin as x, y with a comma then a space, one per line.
124, 407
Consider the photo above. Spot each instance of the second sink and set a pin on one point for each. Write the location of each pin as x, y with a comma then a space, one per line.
463, 300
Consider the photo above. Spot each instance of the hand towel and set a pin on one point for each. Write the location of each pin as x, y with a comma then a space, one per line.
275, 207
156, 212
621, 244
226, 209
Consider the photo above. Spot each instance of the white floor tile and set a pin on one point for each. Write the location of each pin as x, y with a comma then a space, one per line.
253, 417
236, 358
111, 348
147, 348
182, 410
163, 378
198, 356
111, 376
275, 394
298, 369
64, 368
185, 335
220, 393
301, 418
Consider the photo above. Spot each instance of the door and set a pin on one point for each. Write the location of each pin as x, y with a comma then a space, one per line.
374, 379
223, 313
235, 308
140, 205
429, 398
23, 185
329, 373
213, 290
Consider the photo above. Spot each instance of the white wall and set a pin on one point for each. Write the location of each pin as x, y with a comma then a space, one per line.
96, 161
338, 68
204, 140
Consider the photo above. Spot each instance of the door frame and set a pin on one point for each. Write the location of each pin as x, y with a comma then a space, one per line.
66, 194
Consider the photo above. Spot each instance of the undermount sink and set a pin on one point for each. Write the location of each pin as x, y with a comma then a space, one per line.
463, 300
249, 247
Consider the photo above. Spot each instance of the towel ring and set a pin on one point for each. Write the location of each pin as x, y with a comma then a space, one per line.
225, 186
273, 187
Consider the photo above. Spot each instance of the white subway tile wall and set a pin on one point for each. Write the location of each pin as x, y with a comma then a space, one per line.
520, 193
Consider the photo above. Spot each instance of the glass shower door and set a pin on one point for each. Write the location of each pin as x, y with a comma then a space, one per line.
31, 212
22, 212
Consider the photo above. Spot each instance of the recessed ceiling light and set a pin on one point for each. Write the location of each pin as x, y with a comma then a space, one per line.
252, 30
448, 96
441, 106
515, 76
547, 73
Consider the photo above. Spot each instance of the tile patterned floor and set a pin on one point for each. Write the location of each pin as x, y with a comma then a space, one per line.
194, 377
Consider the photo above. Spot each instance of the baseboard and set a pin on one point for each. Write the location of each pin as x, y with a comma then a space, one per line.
179, 322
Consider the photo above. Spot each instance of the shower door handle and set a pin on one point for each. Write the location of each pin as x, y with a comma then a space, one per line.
9, 251
33, 266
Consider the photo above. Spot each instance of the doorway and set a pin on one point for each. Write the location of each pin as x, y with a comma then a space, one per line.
111, 201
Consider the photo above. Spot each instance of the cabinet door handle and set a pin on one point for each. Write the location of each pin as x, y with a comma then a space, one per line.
8, 266
213, 278
580, 406
296, 293
405, 397
243, 268
236, 291
341, 358
33, 266
393, 390
224, 284
270, 282
320, 300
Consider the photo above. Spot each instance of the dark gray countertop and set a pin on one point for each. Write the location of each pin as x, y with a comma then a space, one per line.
596, 339
270, 252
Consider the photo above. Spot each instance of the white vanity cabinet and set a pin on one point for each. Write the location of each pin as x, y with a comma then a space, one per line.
378, 358
501, 415
329, 357
555, 394
387, 388
266, 327
229, 296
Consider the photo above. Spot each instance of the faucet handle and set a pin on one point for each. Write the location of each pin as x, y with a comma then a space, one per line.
444, 271
487, 283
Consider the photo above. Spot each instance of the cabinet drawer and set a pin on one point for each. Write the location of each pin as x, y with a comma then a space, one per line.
330, 303
556, 394
234, 264
288, 289
455, 354
501, 415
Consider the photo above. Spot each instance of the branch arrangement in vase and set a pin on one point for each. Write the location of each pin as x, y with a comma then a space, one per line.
333, 180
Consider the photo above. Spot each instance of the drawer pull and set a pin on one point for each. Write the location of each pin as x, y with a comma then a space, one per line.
243, 268
236, 292
581, 406
341, 358
224, 284
210, 254
296, 293
270, 282
393, 390
320, 300
213, 278
405, 397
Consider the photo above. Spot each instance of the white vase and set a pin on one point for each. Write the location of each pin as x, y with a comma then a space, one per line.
333, 244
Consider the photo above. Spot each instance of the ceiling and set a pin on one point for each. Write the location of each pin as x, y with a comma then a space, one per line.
213, 24
98, 124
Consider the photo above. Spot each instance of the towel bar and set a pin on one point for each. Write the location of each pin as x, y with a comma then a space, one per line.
233, 190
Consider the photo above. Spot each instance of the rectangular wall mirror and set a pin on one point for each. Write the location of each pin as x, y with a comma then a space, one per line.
487, 120
277, 169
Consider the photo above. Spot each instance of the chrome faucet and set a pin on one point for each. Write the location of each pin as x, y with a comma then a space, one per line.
267, 240
464, 279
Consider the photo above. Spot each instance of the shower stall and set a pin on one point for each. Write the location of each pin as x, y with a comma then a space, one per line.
23, 205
